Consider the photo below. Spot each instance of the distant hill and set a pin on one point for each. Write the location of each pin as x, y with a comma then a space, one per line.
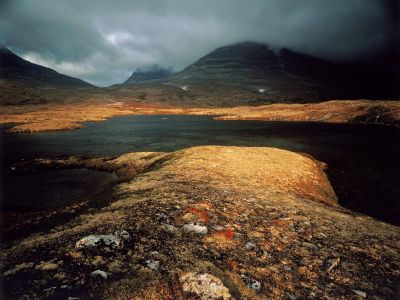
16, 68
152, 73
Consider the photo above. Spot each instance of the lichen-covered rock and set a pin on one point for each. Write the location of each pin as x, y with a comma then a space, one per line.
205, 286
360, 293
106, 241
170, 228
251, 282
153, 264
99, 273
196, 228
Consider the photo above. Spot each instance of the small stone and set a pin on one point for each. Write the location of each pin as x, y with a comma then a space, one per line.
291, 297
153, 264
310, 246
50, 289
331, 263
123, 234
192, 227
359, 293
250, 246
170, 228
238, 235
205, 286
162, 216
312, 295
256, 285
99, 273
218, 227
251, 282
59, 276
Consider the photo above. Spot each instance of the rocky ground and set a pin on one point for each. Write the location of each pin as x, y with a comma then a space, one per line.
207, 223
48, 117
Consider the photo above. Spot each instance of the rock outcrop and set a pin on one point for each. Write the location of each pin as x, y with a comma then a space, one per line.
274, 230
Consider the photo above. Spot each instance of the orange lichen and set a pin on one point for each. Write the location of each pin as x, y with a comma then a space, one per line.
233, 265
226, 233
201, 214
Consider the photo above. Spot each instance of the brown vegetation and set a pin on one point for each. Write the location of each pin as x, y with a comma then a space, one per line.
49, 117
274, 230
33, 118
339, 111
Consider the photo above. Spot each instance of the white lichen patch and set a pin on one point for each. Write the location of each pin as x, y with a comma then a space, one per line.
196, 228
205, 286
113, 241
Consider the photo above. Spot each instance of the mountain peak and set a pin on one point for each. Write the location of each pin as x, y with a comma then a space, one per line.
150, 73
283, 75
241, 54
248, 58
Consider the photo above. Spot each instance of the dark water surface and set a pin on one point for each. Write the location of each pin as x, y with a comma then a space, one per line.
364, 161
52, 190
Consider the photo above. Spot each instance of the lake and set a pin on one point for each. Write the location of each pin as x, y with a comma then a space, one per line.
363, 160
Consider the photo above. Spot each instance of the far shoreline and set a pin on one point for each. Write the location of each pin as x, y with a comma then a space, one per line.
44, 118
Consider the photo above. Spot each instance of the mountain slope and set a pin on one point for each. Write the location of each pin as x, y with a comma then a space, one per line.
15, 68
22, 82
252, 73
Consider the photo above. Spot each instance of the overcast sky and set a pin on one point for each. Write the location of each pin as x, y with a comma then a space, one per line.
103, 41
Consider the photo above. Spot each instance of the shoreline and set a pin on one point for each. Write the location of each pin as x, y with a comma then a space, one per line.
66, 117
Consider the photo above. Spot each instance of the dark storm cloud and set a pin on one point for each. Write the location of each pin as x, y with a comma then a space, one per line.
104, 41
